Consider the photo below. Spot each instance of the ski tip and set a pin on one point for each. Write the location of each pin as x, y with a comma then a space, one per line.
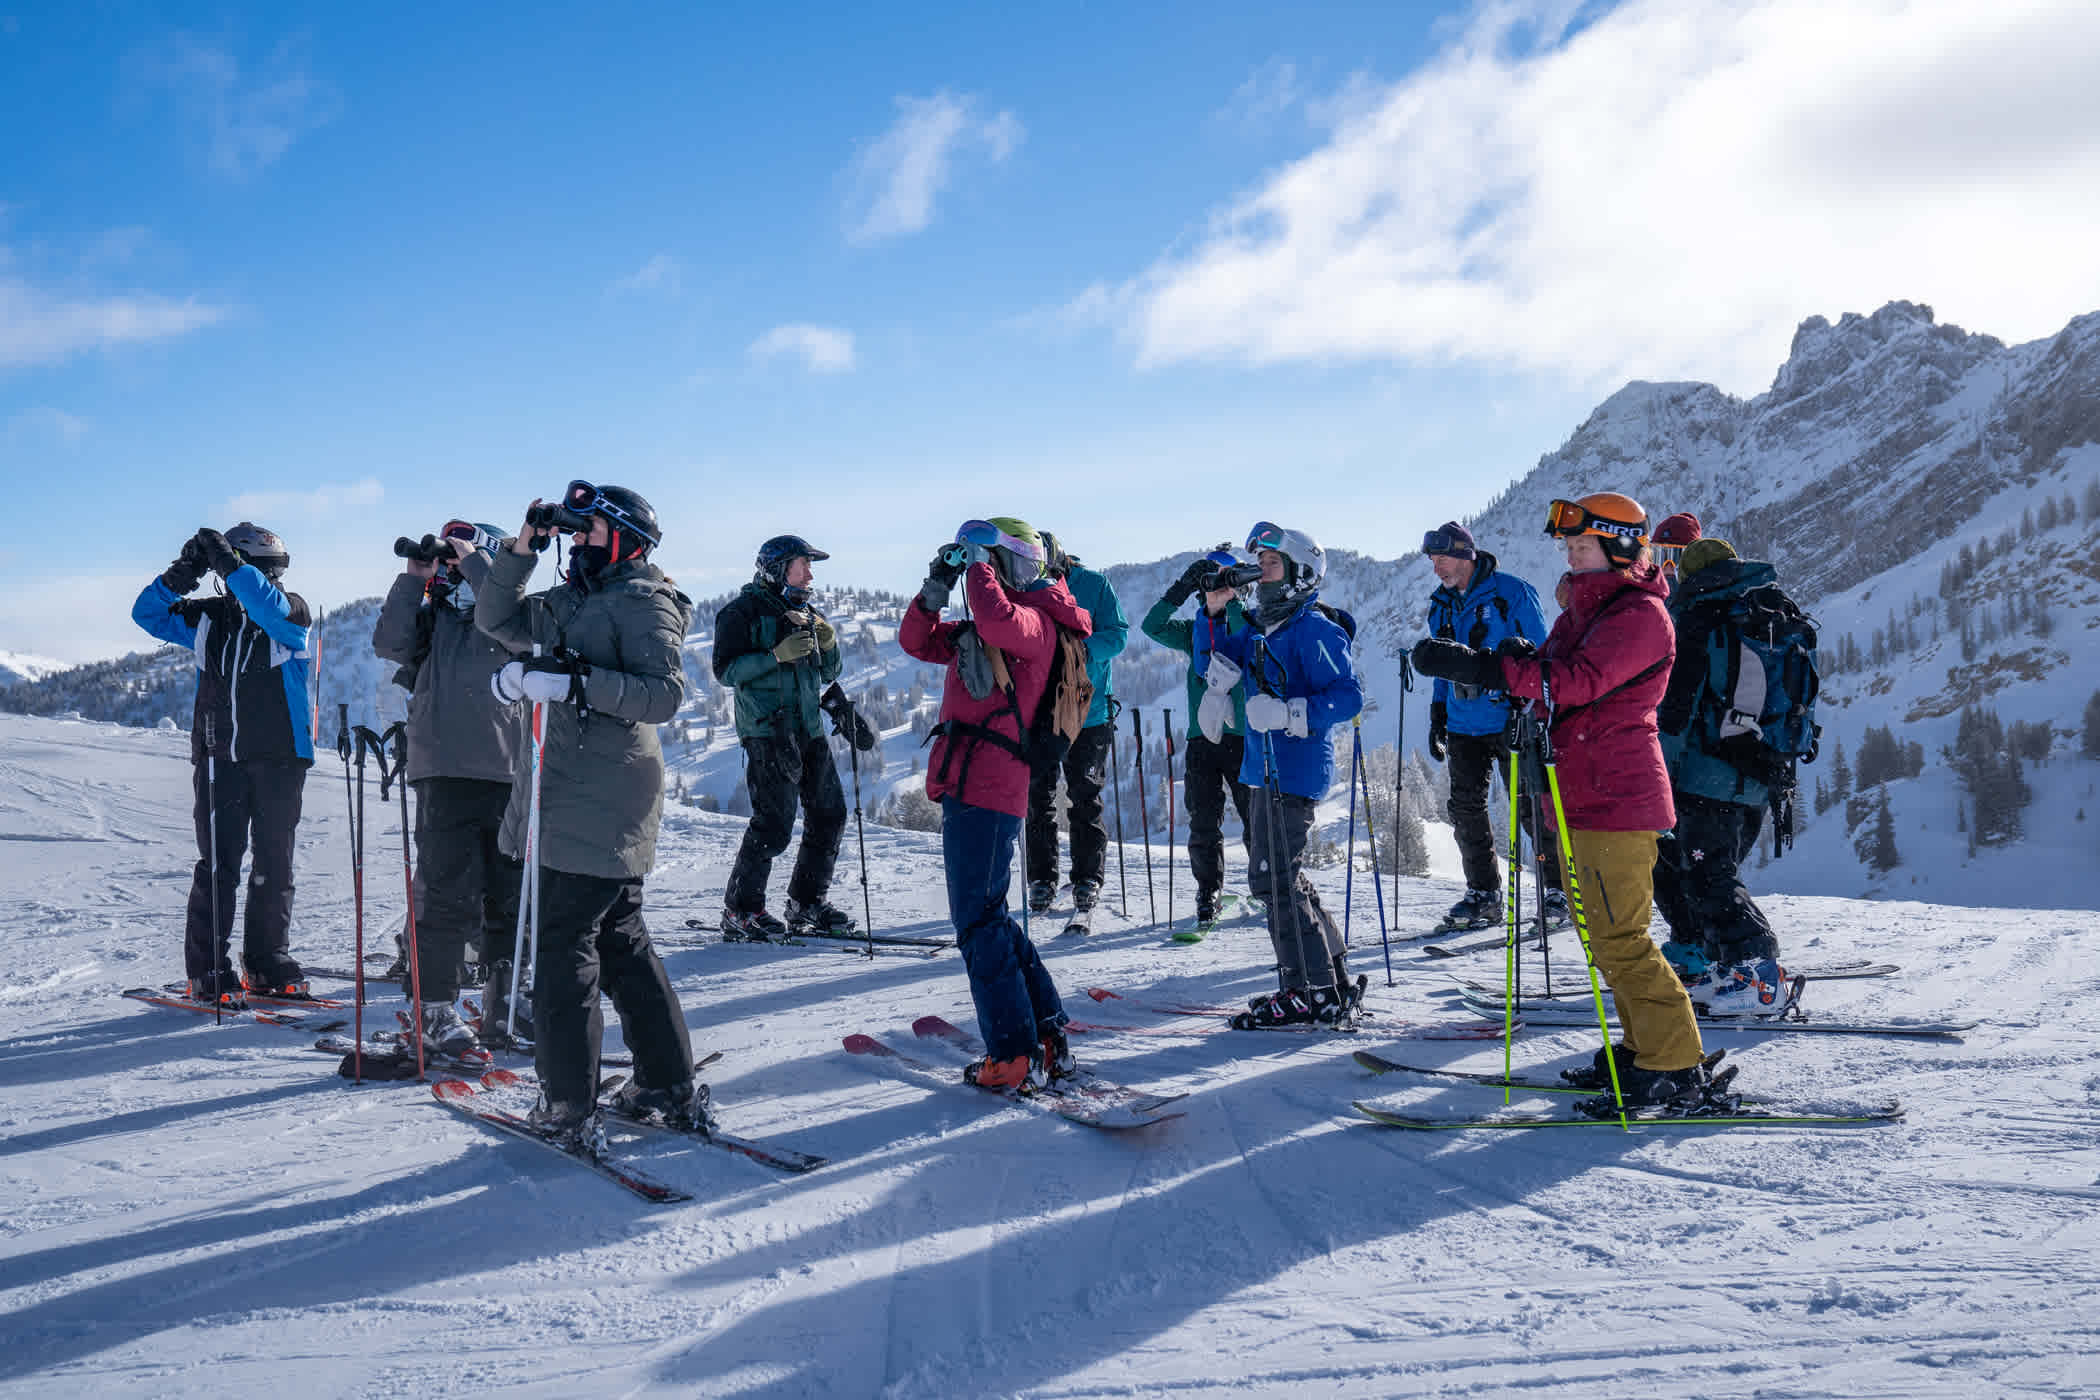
452, 1089
858, 1044
931, 1025
1102, 994
501, 1079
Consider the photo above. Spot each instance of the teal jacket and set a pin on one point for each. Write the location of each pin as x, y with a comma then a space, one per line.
769, 694
1179, 634
1110, 635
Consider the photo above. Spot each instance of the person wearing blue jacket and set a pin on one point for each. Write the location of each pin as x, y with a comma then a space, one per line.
1294, 667
251, 741
1085, 765
1481, 607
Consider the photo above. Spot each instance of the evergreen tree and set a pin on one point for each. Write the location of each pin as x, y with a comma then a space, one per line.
1840, 776
2090, 743
1881, 846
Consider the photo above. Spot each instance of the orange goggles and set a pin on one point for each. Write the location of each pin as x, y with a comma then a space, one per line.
1567, 519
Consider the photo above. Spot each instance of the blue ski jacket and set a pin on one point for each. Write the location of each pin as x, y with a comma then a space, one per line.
1306, 656
1494, 606
253, 664
1105, 643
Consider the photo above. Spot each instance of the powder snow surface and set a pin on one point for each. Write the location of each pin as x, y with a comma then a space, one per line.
197, 1210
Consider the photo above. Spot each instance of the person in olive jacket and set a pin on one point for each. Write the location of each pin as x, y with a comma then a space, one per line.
604, 650
463, 745
779, 652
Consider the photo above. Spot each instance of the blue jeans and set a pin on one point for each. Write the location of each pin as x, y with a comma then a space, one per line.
1008, 982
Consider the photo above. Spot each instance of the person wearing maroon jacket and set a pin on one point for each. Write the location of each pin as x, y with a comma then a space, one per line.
999, 663
1598, 679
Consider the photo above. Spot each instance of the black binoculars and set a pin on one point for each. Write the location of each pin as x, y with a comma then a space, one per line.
428, 550
1231, 576
553, 515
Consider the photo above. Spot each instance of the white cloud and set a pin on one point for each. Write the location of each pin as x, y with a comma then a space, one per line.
247, 120
661, 273
897, 179
1664, 191
40, 327
1269, 92
824, 349
264, 506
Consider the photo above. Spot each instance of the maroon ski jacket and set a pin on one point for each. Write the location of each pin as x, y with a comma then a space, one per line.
1020, 625
1607, 663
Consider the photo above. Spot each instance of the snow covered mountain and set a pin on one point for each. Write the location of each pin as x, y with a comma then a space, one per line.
18, 666
1931, 495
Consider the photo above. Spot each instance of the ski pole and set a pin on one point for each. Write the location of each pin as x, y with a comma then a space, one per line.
1407, 683
211, 819
1115, 767
396, 740
1512, 964
1582, 928
1137, 726
351, 795
1356, 755
526, 941
860, 836
1385, 938
1166, 723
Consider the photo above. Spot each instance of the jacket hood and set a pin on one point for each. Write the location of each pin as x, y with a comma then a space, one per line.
1053, 597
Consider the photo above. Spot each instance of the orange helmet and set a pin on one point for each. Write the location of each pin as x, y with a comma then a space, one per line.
1617, 520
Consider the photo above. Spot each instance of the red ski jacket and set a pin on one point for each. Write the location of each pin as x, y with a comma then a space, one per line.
1021, 626
1607, 663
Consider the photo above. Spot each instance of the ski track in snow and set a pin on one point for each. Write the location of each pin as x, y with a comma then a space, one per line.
196, 1210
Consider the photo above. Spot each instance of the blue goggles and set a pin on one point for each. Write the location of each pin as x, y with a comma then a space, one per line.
1265, 535
586, 499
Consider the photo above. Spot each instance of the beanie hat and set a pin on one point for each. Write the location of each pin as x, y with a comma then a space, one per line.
1679, 529
1451, 539
1701, 553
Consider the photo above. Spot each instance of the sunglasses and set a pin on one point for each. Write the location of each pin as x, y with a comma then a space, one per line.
1567, 519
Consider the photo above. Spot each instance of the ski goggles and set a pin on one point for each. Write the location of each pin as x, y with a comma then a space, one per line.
1444, 542
1266, 535
1667, 555
586, 499
986, 535
1568, 519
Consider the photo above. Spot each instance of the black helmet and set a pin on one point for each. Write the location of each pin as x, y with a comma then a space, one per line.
776, 554
259, 547
1056, 563
623, 509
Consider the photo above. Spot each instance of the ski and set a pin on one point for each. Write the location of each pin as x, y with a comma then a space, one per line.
1399, 1030
1080, 925
1082, 1083
154, 996
785, 1159
387, 1045
1071, 1108
1834, 972
1775, 1116
1577, 1014
1528, 941
880, 940
1378, 1064
460, 1095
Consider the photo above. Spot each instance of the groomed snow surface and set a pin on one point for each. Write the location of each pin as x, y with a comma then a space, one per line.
197, 1210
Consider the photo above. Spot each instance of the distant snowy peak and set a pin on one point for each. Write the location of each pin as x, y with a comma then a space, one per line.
19, 666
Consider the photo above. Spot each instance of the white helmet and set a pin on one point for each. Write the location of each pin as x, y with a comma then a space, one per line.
1305, 566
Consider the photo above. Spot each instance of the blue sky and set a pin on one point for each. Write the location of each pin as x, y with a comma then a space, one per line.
1142, 274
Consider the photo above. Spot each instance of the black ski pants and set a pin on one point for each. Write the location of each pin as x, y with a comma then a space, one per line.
1699, 883
1474, 760
257, 801
592, 939
782, 773
1308, 945
1085, 771
1210, 774
467, 889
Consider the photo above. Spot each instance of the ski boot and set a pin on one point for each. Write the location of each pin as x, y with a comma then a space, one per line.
1755, 987
686, 1107
1019, 1075
1597, 1074
1057, 1054
1085, 895
1041, 895
223, 987
1558, 915
446, 1031
1293, 1007
495, 1011
1687, 960
579, 1127
1479, 909
752, 926
818, 916
1206, 908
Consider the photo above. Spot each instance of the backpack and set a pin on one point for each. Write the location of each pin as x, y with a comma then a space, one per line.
1067, 696
1757, 709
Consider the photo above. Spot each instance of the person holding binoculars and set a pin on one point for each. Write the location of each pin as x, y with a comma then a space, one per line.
779, 653
251, 740
464, 744
1001, 665
601, 657
1217, 729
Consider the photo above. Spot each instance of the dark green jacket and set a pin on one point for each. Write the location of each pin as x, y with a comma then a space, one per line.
768, 694
1179, 633
602, 782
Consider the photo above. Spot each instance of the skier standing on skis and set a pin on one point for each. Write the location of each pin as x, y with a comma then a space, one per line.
1298, 679
1217, 732
251, 742
463, 747
779, 653
1085, 765
1598, 678
1000, 663
608, 672
1720, 942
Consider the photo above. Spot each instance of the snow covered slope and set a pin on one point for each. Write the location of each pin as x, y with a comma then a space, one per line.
19, 666
196, 1211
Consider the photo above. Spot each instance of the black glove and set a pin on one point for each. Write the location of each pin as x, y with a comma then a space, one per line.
1461, 665
187, 571
217, 553
1184, 588
948, 564
1438, 730
1519, 647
